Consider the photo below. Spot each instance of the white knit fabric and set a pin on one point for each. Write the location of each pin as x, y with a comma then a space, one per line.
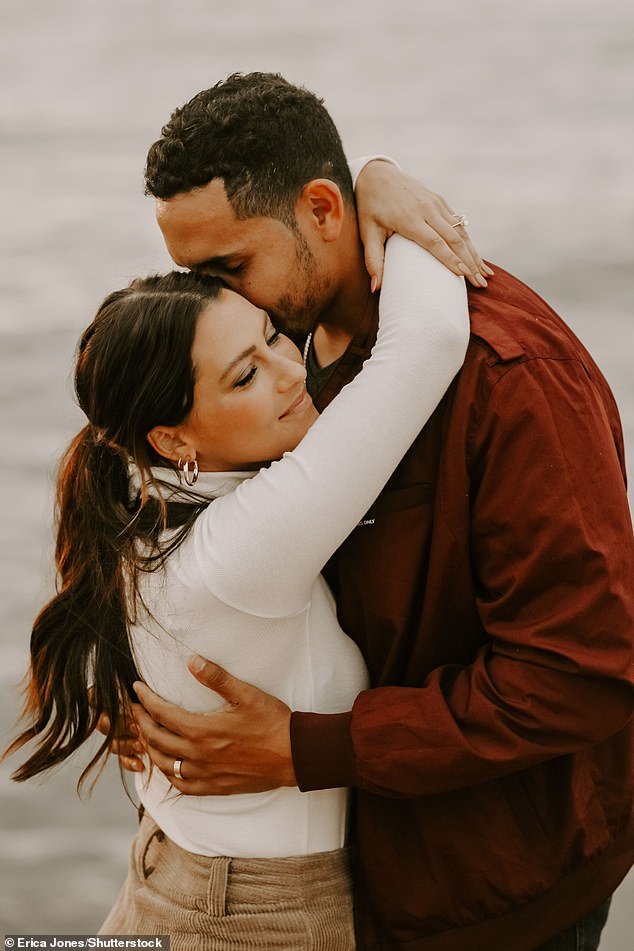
245, 588
357, 165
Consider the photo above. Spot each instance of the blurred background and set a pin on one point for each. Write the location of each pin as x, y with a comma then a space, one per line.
519, 114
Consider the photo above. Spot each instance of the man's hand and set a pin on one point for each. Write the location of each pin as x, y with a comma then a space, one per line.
244, 747
126, 745
389, 202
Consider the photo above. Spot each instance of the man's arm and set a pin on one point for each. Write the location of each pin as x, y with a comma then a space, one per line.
553, 559
553, 547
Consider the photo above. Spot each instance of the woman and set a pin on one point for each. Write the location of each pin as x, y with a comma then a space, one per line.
196, 511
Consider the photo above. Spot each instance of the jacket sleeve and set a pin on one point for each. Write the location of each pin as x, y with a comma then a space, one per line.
553, 556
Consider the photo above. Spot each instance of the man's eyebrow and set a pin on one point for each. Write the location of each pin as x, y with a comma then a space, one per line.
244, 354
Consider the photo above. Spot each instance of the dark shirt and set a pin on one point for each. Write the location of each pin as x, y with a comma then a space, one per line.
491, 591
316, 375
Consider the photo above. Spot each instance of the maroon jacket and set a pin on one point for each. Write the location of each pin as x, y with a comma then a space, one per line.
491, 590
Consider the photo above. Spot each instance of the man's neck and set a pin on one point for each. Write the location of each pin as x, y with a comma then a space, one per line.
329, 344
339, 322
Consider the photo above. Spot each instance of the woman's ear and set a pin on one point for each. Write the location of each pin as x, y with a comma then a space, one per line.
169, 442
321, 205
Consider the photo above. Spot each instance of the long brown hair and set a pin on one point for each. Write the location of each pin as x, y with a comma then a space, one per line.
133, 371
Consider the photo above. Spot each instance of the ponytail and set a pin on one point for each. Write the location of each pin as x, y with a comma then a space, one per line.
81, 663
134, 371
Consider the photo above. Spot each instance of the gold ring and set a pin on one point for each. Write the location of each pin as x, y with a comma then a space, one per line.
176, 769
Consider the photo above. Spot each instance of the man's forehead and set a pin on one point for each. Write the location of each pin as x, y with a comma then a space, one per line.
201, 224
206, 204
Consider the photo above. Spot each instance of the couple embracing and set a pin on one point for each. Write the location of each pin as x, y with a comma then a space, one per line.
365, 541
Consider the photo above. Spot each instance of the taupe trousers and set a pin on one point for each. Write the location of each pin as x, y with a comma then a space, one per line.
301, 903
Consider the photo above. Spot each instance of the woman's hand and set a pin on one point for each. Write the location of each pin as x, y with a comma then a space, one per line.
389, 201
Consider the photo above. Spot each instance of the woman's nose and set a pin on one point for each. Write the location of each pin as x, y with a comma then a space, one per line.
291, 372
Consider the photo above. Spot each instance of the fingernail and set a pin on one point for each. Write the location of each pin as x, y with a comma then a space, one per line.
196, 663
489, 270
481, 281
374, 283
136, 685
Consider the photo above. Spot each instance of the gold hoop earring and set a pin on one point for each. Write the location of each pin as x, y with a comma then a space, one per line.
190, 476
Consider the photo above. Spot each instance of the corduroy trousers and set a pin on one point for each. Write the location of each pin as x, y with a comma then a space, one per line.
301, 903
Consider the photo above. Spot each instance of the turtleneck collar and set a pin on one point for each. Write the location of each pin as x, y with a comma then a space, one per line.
209, 485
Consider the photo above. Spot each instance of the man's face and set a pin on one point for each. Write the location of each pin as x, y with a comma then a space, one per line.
260, 258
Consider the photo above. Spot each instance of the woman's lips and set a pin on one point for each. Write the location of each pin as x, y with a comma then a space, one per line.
298, 405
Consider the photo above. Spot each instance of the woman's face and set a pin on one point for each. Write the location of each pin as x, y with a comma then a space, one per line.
250, 398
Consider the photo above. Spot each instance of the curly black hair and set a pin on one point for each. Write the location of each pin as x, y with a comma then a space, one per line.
259, 133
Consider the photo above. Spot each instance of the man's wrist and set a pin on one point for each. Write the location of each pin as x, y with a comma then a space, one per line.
321, 745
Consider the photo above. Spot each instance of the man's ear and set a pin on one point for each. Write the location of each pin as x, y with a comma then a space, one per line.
321, 206
170, 442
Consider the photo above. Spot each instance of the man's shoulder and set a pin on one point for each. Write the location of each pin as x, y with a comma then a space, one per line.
510, 321
515, 332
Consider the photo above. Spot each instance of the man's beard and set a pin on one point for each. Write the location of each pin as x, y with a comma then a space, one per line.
298, 316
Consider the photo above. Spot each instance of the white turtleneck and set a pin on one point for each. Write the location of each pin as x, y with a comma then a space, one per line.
245, 588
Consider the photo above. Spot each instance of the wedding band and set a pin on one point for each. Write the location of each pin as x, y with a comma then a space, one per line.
462, 220
176, 769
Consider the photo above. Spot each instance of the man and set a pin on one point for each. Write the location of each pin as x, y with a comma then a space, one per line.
490, 587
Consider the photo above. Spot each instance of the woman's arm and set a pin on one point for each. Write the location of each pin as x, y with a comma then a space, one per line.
261, 548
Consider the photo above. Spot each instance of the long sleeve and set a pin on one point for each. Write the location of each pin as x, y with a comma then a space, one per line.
357, 165
261, 548
554, 560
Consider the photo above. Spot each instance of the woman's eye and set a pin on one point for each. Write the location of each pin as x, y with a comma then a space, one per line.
273, 337
233, 268
246, 379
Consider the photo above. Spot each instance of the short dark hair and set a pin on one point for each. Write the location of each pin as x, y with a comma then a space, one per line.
265, 137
